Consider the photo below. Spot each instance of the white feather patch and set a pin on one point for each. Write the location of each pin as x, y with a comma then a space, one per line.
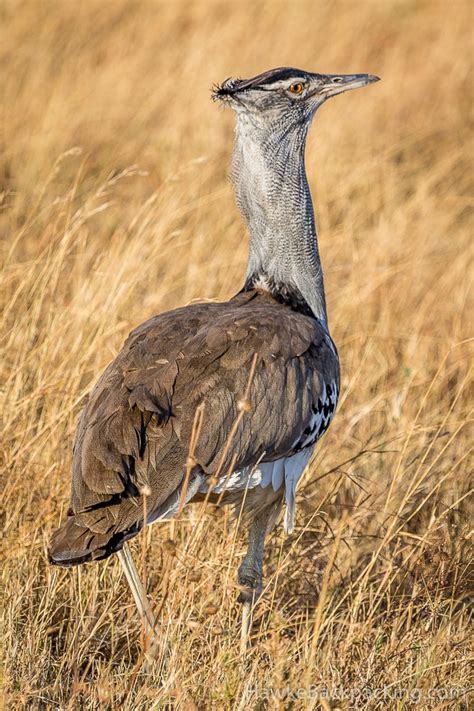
294, 468
237, 481
281, 472
169, 508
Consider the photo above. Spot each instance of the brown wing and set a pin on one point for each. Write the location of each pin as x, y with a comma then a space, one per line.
135, 430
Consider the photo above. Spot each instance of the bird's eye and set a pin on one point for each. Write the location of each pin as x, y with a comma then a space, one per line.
297, 87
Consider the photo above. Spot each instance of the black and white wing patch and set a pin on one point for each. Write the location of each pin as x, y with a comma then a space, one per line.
323, 412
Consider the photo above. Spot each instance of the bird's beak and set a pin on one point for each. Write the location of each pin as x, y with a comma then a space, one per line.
337, 83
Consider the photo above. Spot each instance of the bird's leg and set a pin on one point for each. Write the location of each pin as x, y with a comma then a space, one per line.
139, 595
251, 568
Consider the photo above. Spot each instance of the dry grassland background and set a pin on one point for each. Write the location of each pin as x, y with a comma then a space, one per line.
116, 206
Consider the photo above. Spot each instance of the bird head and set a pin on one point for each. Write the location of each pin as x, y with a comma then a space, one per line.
285, 95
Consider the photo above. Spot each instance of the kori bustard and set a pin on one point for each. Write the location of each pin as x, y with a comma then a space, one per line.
261, 368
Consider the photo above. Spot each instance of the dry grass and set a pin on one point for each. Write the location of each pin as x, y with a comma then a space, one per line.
115, 207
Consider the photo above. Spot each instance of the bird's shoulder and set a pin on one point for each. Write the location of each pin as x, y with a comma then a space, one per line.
251, 319
180, 352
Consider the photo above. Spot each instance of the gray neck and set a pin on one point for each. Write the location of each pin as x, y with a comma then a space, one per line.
273, 195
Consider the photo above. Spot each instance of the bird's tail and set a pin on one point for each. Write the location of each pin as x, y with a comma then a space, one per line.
75, 543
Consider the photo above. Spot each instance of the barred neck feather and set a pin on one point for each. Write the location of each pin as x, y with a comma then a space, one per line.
273, 195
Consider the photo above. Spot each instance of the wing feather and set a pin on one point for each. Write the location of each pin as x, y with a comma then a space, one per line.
136, 429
